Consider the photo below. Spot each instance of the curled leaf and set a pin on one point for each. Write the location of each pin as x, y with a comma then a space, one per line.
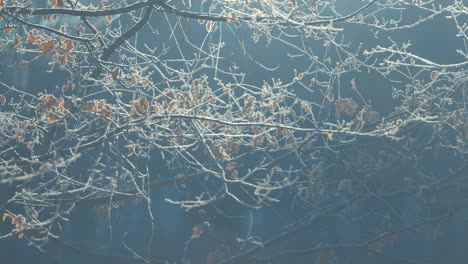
209, 26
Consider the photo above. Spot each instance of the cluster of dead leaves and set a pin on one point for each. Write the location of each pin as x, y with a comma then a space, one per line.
53, 108
257, 141
101, 109
47, 102
231, 168
64, 49
139, 107
223, 150
344, 105
18, 220
171, 100
64, 53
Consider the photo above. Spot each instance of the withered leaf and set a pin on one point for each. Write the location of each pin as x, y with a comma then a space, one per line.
344, 105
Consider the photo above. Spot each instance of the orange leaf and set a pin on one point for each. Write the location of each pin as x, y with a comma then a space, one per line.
16, 40
48, 46
7, 30
144, 103
67, 44
100, 105
63, 61
31, 38
60, 102
234, 173
230, 166
65, 86
58, 3
52, 118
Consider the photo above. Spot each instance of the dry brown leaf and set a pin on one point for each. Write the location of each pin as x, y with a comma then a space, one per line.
48, 46
346, 105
